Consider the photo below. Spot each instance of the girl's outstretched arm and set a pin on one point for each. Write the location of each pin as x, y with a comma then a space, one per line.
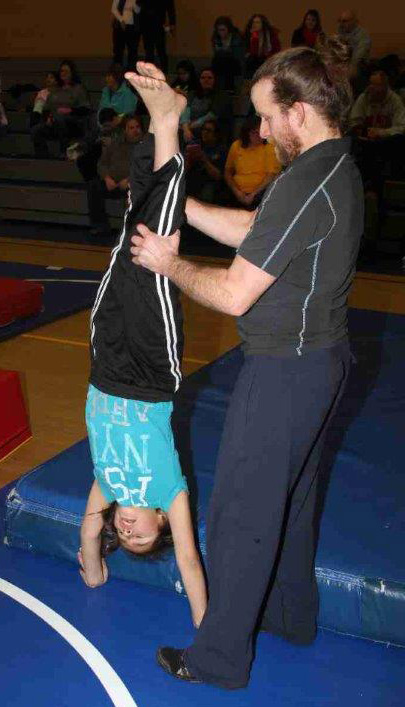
93, 568
187, 557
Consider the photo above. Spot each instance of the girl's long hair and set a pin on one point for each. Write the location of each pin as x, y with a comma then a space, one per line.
313, 13
250, 123
73, 68
225, 21
266, 26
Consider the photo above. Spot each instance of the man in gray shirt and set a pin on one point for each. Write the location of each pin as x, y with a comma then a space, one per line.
288, 288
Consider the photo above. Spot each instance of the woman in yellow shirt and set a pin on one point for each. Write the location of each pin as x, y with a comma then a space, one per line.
251, 164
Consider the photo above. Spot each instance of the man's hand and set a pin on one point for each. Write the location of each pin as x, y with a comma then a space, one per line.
110, 183
123, 184
154, 252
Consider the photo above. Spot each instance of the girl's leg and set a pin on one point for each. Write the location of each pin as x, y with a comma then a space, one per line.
164, 106
157, 169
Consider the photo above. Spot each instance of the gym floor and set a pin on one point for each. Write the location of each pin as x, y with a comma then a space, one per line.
64, 644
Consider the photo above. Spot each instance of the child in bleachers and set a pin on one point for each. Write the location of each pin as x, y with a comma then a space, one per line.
51, 83
117, 93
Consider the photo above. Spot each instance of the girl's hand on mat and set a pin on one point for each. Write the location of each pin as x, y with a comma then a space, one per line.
96, 579
154, 252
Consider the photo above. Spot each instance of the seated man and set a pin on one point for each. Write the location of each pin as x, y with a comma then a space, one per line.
358, 39
378, 120
87, 152
205, 163
113, 173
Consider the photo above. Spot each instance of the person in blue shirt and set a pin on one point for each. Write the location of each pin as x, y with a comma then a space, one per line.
139, 499
117, 93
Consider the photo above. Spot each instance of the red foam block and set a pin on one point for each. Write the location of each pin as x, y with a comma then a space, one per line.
14, 423
19, 299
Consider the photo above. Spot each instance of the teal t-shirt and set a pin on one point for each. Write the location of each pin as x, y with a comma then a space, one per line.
132, 447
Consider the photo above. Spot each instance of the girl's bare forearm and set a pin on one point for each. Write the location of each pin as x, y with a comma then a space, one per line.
194, 584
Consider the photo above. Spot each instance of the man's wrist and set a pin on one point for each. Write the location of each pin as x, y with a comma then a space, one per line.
171, 266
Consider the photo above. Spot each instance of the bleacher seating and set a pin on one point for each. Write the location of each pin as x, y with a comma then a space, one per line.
43, 190
47, 190
53, 191
392, 229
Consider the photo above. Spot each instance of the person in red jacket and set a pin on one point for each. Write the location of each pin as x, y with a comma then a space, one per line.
261, 42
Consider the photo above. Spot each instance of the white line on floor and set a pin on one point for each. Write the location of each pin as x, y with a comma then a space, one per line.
111, 682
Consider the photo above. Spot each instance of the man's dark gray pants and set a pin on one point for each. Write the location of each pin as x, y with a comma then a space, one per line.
261, 526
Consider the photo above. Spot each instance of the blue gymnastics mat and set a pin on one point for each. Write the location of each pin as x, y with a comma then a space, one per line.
126, 622
360, 568
66, 291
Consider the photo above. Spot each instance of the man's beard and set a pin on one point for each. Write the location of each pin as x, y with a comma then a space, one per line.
287, 147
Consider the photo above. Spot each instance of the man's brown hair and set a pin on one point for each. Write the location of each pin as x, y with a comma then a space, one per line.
319, 77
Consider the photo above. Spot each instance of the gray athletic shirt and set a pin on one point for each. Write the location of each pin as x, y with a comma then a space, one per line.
306, 233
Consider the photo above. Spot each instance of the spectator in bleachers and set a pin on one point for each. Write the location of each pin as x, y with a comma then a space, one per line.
251, 164
205, 163
307, 34
207, 101
261, 42
378, 119
64, 113
186, 80
157, 18
228, 52
88, 151
391, 65
359, 42
125, 31
117, 93
3, 117
113, 174
51, 83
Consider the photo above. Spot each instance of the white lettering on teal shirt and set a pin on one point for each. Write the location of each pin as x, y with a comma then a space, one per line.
119, 415
124, 496
109, 447
141, 461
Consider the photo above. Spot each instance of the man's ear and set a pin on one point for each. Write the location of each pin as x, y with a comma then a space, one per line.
297, 114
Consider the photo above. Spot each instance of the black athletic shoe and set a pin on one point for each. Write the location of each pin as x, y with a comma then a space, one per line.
172, 661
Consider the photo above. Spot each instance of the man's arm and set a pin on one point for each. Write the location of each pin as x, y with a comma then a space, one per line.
171, 12
232, 291
398, 118
358, 112
114, 10
361, 51
228, 226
